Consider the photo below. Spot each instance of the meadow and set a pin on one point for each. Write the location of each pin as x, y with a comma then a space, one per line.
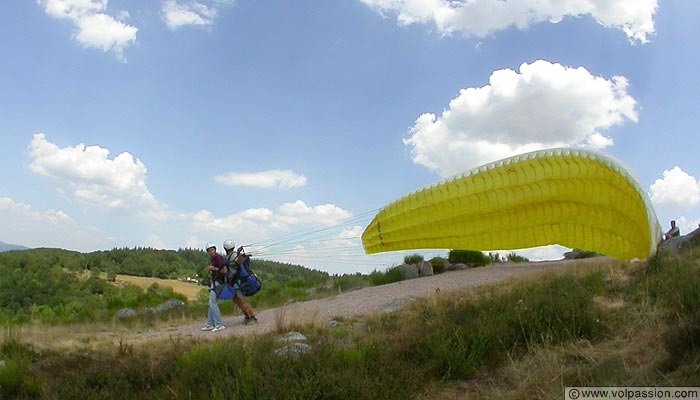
190, 290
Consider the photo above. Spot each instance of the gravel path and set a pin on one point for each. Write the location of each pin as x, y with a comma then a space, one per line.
377, 298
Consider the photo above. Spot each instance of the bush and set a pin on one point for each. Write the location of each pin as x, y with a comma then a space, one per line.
438, 264
16, 378
470, 257
347, 282
512, 257
391, 275
413, 259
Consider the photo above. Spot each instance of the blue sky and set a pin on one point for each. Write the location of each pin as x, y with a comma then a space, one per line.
287, 125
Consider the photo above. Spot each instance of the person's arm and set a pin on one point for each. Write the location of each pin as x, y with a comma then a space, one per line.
239, 256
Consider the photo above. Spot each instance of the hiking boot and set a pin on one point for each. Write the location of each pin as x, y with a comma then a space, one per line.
218, 328
208, 327
249, 320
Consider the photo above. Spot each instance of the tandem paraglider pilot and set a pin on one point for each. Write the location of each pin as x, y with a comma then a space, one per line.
217, 269
234, 262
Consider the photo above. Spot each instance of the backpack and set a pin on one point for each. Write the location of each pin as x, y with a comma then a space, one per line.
248, 282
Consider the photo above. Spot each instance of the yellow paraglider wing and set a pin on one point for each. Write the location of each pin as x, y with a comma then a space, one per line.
574, 198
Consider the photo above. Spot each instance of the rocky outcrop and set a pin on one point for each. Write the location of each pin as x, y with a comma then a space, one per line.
675, 244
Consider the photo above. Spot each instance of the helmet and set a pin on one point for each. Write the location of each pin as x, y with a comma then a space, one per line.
210, 245
229, 245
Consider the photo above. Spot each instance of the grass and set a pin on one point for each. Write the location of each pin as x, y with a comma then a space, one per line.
619, 325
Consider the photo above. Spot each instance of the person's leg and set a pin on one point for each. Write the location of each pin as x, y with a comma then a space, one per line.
214, 314
240, 302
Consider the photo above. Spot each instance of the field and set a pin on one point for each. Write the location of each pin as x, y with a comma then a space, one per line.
187, 289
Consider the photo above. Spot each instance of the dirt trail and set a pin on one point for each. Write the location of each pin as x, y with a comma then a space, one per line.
376, 298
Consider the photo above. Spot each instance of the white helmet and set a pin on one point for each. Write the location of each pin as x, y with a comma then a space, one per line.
229, 245
210, 245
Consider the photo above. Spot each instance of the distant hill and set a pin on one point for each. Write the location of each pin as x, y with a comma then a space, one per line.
9, 247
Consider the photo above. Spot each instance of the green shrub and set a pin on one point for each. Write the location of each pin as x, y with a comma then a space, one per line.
16, 378
347, 282
585, 253
512, 257
472, 258
17, 381
413, 259
438, 264
393, 274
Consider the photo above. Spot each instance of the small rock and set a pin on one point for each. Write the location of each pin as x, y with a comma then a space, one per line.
396, 304
126, 313
334, 324
294, 350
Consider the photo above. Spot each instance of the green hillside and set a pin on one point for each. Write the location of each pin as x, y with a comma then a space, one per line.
55, 285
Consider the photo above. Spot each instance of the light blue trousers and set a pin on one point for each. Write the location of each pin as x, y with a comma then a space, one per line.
214, 313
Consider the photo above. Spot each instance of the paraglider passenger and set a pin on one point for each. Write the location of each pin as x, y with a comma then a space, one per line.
235, 259
673, 232
217, 269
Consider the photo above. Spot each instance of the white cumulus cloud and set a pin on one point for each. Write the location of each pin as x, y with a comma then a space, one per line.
542, 105
103, 32
72, 9
676, 191
95, 29
251, 221
299, 212
118, 183
178, 14
280, 179
256, 224
50, 228
483, 17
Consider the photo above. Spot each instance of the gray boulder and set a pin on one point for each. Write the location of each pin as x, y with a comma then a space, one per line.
409, 271
296, 345
293, 350
168, 305
425, 269
455, 267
